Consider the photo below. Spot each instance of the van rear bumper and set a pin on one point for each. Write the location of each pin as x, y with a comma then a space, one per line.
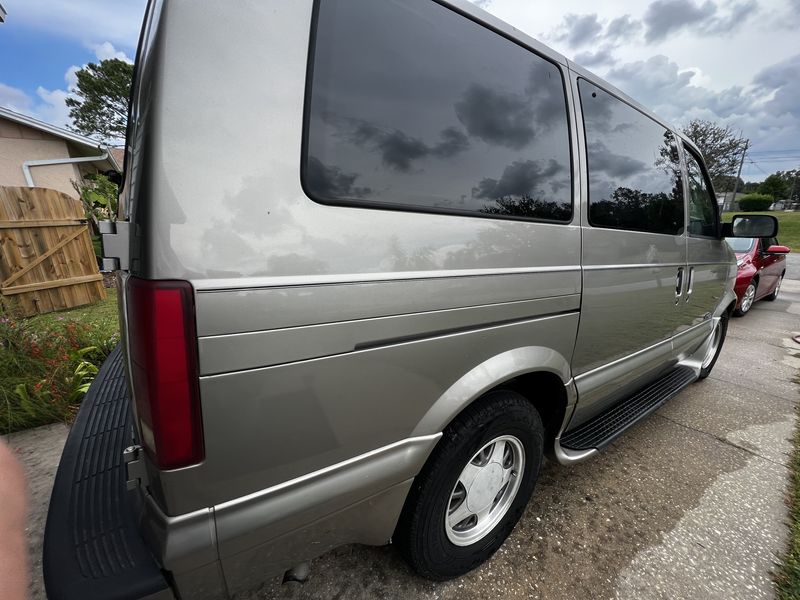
92, 545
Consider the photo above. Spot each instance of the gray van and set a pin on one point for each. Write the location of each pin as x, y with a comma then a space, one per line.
376, 259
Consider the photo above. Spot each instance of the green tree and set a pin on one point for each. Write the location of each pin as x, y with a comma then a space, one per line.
726, 183
750, 187
777, 186
721, 149
100, 108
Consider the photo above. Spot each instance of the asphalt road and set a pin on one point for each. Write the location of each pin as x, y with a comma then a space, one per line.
688, 504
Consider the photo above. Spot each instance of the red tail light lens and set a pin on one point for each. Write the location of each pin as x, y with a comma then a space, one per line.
163, 356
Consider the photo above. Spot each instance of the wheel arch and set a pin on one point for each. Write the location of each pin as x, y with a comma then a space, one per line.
537, 373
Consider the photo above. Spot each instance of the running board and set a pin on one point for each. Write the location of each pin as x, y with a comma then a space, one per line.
601, 430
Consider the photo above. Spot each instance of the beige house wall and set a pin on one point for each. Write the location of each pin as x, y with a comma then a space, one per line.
19, 143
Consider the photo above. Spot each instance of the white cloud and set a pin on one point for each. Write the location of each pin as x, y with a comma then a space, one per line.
71, 76
106, 50
734, 61
698, 77
48, 105
52, 108
14, 98
86, 21
603, 56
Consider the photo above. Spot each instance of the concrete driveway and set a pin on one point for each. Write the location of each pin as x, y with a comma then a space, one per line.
688, 504
793, 265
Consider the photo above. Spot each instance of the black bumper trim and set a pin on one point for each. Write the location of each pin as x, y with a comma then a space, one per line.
92, 545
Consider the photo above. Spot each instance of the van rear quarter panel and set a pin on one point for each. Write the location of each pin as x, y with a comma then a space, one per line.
325, 331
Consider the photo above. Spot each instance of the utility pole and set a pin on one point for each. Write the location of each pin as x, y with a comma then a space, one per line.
738, 174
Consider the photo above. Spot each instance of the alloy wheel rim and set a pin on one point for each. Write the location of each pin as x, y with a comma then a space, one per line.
485, 490
749, 295
778, 287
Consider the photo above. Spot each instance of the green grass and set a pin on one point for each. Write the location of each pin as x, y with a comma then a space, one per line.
47, 361
102, 317
787, 576
788, 226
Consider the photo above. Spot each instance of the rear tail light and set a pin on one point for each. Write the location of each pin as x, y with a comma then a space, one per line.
163, 357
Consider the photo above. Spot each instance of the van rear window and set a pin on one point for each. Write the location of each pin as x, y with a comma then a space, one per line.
635, 180
415, 107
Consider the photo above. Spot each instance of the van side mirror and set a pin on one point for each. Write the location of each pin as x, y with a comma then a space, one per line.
751, 226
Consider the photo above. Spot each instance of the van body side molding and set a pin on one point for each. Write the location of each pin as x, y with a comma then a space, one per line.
246, 522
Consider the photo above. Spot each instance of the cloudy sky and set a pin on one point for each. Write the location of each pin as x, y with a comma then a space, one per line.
733, 61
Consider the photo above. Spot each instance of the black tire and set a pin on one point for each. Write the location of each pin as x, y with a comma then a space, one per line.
774, 295
705, 371
744, 308
421, 531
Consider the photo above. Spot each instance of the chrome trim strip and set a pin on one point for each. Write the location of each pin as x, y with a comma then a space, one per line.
623, 359
702, 264
655, 265
261, 494
690, 330
632, 266
642, 351
249, 283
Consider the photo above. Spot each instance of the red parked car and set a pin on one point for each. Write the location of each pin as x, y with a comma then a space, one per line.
762, 264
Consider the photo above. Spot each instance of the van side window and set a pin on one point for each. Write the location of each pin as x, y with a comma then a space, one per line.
703, 216
635, 180
415, 107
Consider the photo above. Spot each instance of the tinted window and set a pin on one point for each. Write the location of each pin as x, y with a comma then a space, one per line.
634, 169
767, 242
740, 245
413, 106
703, 219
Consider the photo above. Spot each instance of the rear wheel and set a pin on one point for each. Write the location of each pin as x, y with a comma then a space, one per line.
747, 299
474, 487
776, 291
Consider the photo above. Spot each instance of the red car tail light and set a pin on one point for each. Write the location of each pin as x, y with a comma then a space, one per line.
163, 356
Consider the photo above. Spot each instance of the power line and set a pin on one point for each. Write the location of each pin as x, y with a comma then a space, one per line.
779, 158
779, 150
755, 164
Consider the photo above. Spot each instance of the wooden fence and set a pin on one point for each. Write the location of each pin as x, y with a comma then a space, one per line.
46, 258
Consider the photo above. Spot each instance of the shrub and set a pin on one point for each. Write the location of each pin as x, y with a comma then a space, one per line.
755, 202
47, 363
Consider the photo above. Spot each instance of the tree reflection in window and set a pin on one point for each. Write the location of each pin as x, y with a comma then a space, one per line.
461, 120
634, 169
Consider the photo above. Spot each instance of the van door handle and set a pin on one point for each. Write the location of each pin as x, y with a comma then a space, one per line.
678, 285
690, 284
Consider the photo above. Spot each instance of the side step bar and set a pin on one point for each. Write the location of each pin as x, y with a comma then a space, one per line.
601, 430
